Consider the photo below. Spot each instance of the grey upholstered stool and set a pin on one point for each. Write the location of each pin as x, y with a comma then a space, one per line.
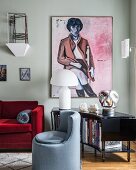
59, 150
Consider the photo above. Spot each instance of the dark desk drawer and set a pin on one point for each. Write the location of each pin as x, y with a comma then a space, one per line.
119, 129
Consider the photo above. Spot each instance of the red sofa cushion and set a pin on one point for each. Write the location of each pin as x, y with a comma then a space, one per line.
12, 126
10, 109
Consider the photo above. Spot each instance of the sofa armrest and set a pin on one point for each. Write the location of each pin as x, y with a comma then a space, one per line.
37, 119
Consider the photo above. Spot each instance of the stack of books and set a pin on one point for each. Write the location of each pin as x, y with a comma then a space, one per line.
91, 135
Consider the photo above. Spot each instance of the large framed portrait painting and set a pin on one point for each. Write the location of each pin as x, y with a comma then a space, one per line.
84, 46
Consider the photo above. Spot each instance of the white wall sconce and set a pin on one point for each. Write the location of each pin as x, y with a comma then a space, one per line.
17, 34
125, 48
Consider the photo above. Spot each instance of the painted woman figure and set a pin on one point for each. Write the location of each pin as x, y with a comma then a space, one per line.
72, 54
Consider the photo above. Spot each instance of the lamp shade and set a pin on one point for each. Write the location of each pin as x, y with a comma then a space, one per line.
64, 77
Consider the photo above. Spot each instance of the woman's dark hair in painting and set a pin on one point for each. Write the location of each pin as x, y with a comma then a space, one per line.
74, 22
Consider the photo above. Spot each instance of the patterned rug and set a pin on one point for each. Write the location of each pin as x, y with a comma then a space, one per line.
16, 161
23, 160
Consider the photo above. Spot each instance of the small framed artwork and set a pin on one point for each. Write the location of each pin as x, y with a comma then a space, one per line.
24, 74
3, 73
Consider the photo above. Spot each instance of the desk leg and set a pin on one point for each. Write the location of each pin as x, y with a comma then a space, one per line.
128, 151
103, 151
81, 132
52, 121
95, 152
82, 150
55, 121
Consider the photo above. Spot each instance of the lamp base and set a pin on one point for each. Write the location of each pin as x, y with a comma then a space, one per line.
64, 98
108, 111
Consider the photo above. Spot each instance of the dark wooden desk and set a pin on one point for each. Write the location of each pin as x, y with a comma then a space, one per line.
118, 127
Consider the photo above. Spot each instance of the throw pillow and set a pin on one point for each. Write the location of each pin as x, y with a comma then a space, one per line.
23, 116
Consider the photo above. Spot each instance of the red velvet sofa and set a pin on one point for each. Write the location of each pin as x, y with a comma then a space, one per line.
14, 135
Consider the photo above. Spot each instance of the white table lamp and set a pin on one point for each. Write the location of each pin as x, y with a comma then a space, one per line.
64, 78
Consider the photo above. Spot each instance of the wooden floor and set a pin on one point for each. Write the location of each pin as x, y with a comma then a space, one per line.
113, 161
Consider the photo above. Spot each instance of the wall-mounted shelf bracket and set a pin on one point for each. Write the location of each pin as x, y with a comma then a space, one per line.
18, 49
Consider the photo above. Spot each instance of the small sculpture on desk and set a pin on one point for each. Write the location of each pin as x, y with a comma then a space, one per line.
83, 107
108, 100
93, 108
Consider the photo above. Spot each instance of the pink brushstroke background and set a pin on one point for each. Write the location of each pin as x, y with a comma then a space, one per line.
98, 32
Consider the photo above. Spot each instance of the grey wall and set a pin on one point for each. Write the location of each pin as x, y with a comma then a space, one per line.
133, 57
39, 56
